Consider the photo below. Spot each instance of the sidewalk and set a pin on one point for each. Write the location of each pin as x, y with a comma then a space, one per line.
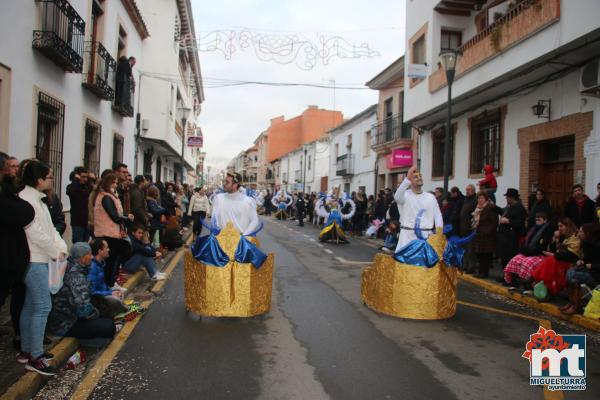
15, 381
490, 284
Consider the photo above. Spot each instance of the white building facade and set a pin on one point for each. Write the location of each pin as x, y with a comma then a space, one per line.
515, 55
352, 161
170, 93
294, 176
59, 98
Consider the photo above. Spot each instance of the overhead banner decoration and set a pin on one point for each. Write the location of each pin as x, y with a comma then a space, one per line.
195, 141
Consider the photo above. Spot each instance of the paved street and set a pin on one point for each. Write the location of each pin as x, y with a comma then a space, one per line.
319, 341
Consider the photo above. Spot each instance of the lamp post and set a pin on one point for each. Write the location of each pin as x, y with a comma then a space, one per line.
305, 148
184, 110
448, 58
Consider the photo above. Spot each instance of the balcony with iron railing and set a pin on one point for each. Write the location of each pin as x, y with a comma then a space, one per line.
391, 132
100, 76
344, 165
61, 35
522, 20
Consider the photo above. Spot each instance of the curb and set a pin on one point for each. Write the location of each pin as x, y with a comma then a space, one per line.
549, 308
29, 384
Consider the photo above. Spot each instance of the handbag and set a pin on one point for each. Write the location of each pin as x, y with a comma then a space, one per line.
56, 273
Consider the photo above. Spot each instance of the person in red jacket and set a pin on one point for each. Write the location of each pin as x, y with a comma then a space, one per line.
489, 184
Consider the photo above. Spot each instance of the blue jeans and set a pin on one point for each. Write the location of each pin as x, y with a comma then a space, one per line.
575, 275
35, 310
80, 234
133, 264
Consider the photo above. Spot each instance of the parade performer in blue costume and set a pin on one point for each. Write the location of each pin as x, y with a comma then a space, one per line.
335, 207
282, 200
226, 274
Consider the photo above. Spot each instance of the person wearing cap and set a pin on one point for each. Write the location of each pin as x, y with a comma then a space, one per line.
411, 199
511, 226
234, 206
73, 314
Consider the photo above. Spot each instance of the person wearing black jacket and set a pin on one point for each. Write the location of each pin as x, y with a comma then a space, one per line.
465, 216
531, 254
56, 211
580, 208
511, 226
455, 202
14, 251
300, 209
587, 270
168, 199
540, 203
79, 192
143, 255
137, 201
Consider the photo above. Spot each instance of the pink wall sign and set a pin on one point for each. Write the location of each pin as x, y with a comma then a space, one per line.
400, 158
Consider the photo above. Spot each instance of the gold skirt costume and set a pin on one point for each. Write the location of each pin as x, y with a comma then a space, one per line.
235, 290
409, 291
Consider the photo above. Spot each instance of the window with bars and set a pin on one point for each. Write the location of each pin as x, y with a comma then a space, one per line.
486, 143
50, 134
117, 149
91, 149
437, 159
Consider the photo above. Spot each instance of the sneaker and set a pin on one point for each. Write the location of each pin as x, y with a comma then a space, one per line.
118, 287
159, 276
41, 366
22, 357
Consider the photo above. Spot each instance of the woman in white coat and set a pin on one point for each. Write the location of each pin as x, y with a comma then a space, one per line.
45, 244
199, 209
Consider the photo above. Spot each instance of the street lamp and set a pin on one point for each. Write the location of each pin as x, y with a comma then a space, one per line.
184, 111
448, 59
305, 148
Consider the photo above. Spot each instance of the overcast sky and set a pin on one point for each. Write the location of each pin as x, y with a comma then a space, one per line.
232, 117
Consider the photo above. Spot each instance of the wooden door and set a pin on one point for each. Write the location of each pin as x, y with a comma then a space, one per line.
556, 179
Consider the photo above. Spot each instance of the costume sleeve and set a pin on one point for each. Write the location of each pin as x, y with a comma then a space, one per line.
437, 215
254, 220
399, 196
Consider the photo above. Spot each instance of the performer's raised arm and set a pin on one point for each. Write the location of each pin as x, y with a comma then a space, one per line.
399, 195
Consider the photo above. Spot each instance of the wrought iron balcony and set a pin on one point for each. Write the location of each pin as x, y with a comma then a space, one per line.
391, 129
61, 37
123, 103
100, 77
344, 165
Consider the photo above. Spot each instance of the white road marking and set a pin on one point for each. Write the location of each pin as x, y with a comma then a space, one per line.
305, 235
328, 251
344, 261
312, 240
319, 244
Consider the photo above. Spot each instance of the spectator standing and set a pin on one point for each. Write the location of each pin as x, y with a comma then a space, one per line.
14, 251
464, 227
310, 207
108, 225
512, 226
268, 203
358, 219
300, 208
587, 270
438, 192
79, 192
455, 202
380, 209
123, 181
158, 213
485, 222
540, 204
56, 211
199, 208
45, 244
580, 208
73, 314
168, 199
137, 198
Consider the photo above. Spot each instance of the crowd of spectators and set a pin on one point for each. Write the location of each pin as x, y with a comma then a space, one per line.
119, 224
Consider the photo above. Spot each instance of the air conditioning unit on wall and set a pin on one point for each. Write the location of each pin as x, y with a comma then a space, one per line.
589, 83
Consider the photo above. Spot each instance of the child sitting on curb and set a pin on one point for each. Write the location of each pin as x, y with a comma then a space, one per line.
143, 255
391, 237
